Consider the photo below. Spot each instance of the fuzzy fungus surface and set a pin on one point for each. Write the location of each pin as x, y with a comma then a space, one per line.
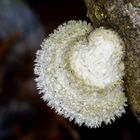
79, 73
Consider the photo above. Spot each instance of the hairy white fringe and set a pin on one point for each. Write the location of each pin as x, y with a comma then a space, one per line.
73, 95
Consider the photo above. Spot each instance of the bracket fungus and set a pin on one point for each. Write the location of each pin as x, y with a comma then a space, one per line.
79, 73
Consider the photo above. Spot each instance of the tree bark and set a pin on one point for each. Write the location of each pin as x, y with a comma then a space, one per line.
123, 16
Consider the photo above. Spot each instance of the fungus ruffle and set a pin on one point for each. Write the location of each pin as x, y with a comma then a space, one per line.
79, 73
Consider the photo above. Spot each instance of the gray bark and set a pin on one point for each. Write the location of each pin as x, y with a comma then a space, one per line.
123, 16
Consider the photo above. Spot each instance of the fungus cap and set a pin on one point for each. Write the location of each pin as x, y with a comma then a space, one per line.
79, 73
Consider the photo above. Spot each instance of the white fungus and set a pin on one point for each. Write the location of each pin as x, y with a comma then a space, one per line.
79, 73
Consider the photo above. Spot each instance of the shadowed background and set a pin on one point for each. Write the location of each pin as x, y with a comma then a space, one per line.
23, 114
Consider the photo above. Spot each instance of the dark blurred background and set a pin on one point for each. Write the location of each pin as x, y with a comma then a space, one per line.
23, 114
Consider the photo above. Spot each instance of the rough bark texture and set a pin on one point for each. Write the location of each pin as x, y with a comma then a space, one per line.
123, 16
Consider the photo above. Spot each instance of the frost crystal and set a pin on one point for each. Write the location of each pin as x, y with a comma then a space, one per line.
79, 73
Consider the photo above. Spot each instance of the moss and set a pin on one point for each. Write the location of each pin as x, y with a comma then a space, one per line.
96, 11
122, 16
